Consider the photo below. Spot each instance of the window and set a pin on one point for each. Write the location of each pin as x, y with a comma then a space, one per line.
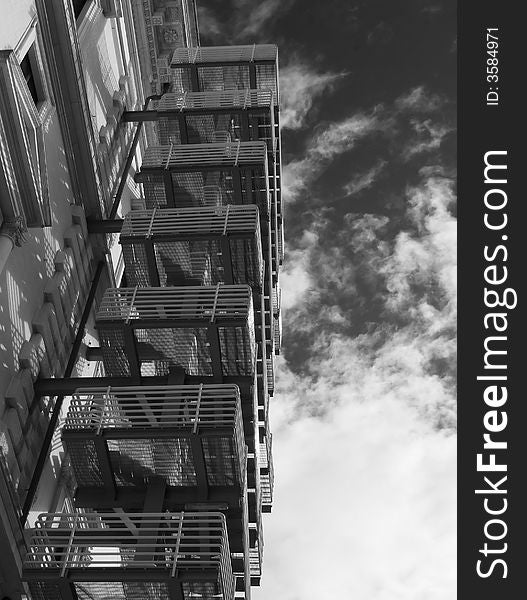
78, 5
31, 74
33, 70
26, 107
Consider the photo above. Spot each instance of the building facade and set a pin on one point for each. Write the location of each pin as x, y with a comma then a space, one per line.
141, 237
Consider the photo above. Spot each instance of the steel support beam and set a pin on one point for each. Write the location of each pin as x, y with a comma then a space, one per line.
200, 468
44, 451
67, 385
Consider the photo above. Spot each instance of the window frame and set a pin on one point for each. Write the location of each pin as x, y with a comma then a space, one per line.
22, 130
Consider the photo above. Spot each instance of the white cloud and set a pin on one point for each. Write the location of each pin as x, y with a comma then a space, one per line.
253, 17
342, 136
336, 138
427, 257
332, 141
208, 24
427, 137
418, 99
295, 278
365, 180
300, 85
365, 493
248, 19
364, 445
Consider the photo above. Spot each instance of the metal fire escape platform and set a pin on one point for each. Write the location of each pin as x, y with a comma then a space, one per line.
190, 437
206, 174
129, 556
202, 246
245, 115
206, 330
217, 68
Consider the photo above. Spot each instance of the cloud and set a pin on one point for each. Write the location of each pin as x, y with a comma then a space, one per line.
395, 281
342, 136
255, 17
365, 180
294, 277
430, 209
422, 110
368, 511
365, 484
209, 26
246, 19
413, 123
418, 99
300, 86
426, 136
363, 433
324, 146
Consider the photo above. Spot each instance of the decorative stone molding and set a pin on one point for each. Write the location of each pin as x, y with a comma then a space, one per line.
15, 229
161, 26
115, 136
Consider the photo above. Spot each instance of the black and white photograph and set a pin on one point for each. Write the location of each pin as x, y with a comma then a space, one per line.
234, 237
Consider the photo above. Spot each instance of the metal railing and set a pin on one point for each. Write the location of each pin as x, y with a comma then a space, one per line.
206, 330
178, 223
220, 68
277, 333
269, 365
276, 299
208, 244
191, 407
131, 546
206, 174
194, 303
265, 461
213, 100
196, 156
225, 54
148, 431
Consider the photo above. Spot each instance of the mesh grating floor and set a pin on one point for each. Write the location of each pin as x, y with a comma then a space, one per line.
135, 461
133, 590
206, 129
221, 461
163, 348
223, 77
201, 591
193, 189
85, 463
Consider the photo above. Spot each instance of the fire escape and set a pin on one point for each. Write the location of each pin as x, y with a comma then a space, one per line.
169, 451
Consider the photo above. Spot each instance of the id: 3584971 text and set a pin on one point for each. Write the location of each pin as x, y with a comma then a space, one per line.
492, 66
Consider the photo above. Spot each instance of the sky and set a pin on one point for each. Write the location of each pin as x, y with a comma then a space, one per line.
364, 414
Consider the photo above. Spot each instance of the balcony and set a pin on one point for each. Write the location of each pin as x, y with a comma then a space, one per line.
190, 437
198, 246
256, 556
201, 117
265, 462
211, 117
256, 539
206, 174
218, 68
277, 333
206, 331
129, 556
201, 246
